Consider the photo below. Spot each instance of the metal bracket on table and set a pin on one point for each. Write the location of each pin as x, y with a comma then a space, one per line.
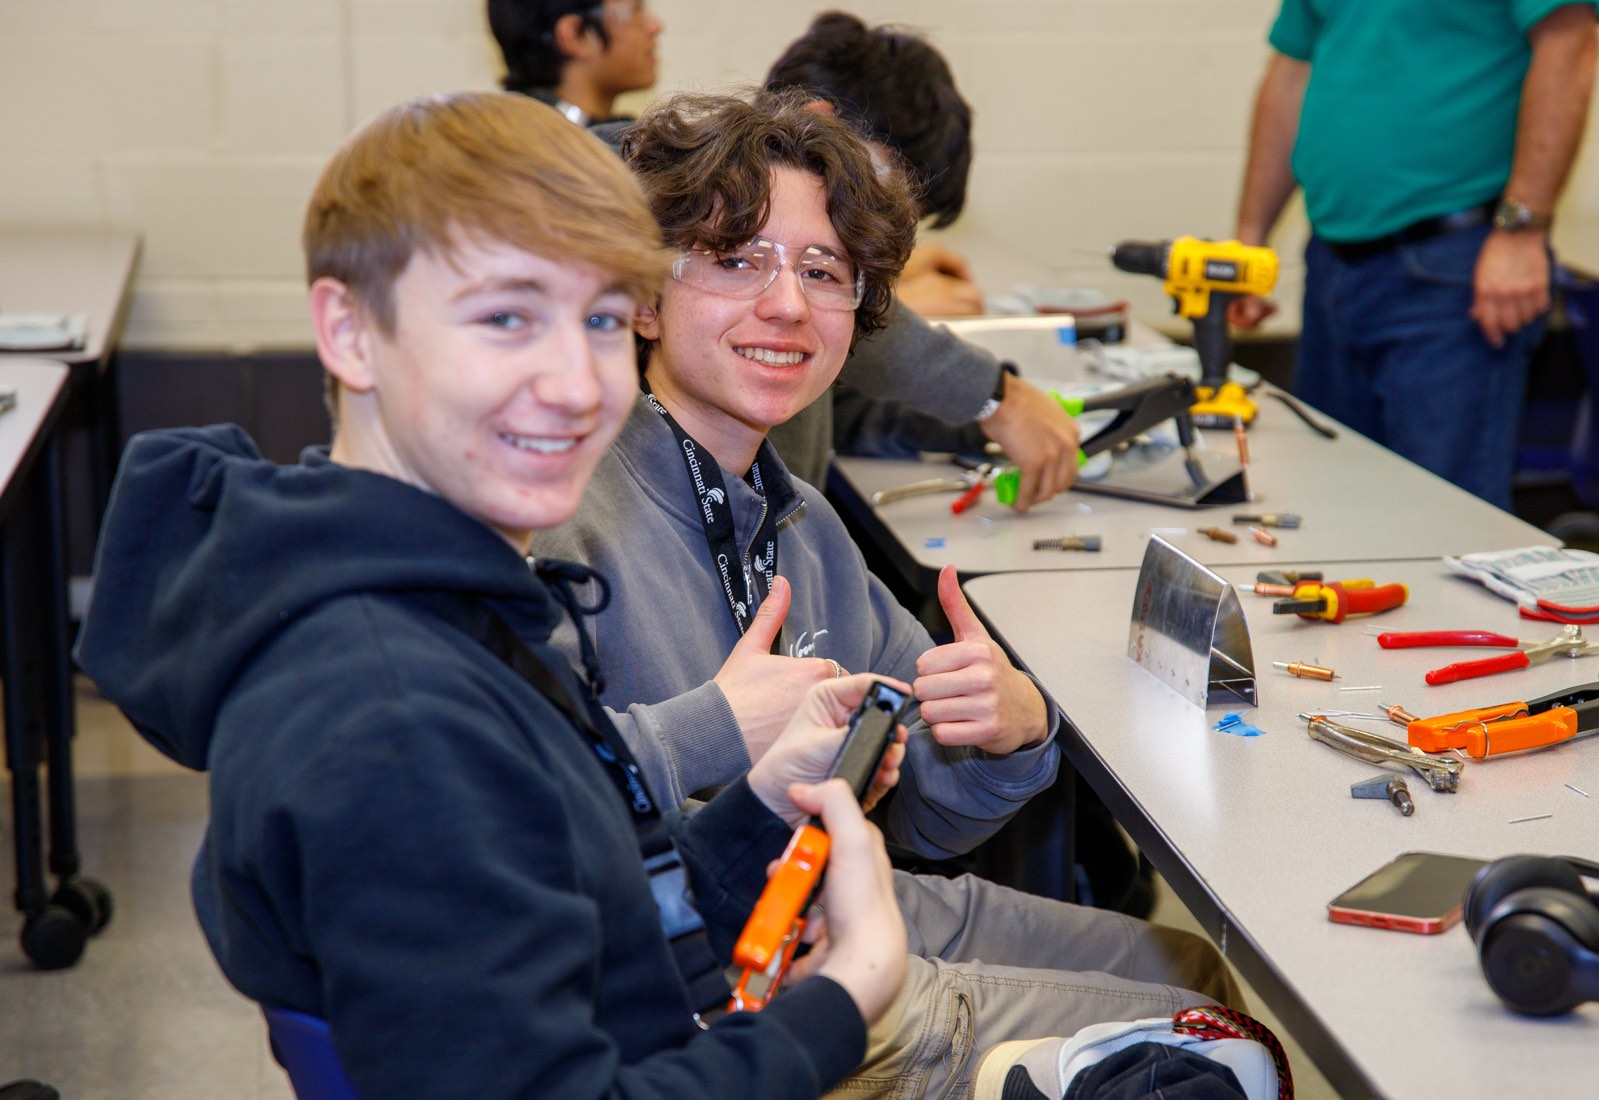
1188, 628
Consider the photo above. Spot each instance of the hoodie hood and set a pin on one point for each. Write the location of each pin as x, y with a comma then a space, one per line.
207, 549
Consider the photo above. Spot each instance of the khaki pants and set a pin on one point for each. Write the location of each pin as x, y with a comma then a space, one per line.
990, 964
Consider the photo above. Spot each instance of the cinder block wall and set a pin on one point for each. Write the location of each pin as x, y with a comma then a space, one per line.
203, 123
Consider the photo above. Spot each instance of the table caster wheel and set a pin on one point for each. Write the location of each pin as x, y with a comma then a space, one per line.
86, 899
54, 938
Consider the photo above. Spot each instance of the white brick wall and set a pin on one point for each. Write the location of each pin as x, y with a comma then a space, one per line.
203, 123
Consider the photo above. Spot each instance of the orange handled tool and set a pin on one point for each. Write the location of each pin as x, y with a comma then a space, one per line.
1333, 601
1510, 727
766, 945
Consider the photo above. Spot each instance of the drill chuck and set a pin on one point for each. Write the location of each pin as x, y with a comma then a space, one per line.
1141, 257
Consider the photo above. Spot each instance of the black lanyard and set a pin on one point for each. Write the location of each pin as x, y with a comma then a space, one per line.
680, 921
493, 632
716, 514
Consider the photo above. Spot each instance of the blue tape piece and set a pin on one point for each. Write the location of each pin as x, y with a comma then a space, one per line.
1232, 722
1066, 334
934, 544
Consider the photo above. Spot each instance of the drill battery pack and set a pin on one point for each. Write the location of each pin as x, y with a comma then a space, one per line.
1223, 407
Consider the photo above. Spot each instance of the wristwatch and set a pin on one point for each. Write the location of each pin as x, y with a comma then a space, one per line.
991, 406
1514, 216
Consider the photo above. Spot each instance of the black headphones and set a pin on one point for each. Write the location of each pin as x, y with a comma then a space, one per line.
1536, 927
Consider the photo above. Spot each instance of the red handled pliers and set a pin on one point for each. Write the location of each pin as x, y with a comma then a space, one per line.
1568, 643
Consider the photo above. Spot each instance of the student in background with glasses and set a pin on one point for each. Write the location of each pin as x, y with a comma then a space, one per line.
576, 56
733, 588
560, 52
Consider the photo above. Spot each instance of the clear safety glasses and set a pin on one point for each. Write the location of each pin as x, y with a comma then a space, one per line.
828, 281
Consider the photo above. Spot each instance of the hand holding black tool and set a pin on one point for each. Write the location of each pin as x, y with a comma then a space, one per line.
766, 945
1139, 407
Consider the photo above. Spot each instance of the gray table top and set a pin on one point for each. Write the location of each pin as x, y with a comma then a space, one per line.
1358, 501
69, 270
1257, 834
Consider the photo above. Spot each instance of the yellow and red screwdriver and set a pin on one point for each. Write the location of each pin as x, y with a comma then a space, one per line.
1333, 602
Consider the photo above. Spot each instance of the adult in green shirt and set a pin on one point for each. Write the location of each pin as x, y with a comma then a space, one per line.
1432, 139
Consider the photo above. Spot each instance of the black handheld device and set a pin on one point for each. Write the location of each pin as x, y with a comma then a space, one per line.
871, 731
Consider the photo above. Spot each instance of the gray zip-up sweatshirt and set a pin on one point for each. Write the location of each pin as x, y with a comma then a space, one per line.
668, 629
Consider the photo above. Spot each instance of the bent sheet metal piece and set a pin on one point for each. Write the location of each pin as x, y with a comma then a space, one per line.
1511, 727
1188, 628
1442, 773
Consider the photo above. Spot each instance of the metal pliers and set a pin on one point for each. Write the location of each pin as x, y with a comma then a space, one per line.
1568, 643
970, 485
1442, 773
1511, 727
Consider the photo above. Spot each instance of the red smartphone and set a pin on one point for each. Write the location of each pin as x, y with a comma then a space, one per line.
1416, 892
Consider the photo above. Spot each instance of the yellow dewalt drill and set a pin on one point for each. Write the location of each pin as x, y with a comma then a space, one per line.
1202, 277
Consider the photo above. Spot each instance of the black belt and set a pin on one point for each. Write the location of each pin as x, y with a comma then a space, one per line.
1416, 231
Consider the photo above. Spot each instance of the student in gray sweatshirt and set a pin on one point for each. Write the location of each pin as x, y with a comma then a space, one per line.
733, 586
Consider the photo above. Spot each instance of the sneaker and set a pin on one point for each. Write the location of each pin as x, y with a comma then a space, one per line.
1045, 1069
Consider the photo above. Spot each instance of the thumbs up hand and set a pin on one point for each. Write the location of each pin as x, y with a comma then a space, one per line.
970, 693
764, 689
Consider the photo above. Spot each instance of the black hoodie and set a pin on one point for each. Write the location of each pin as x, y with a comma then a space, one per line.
406, 839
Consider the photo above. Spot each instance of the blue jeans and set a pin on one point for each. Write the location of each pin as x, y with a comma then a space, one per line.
1388, 348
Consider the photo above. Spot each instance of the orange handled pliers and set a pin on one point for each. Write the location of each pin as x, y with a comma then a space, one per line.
1569, 643
1510, 727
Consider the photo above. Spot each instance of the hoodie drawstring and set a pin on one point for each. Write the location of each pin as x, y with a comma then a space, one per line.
562, 578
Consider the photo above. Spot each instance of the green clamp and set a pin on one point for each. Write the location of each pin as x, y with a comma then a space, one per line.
1006, 484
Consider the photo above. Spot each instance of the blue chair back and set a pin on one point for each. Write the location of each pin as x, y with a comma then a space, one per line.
303, 1046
